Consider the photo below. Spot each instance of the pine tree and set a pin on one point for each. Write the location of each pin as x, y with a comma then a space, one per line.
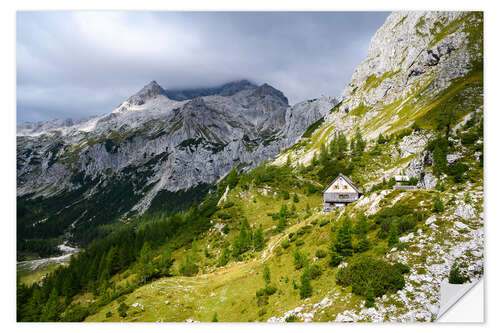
225, 255
281, 223
165, 263
145, 268
266, 274
295, 198
258, 241
364, 244
362, 226
52, 308
232, 178
305, 287
343, 243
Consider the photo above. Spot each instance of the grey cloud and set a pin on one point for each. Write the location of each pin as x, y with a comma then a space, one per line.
76, 64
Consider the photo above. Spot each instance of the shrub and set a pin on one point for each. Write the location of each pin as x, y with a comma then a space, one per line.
364, 245
323, 222
299, 259
295, 198
300, 242
228, 204
406, 223
285, 244
456, 276
320, 253
401, 267
122, 310
286, 195
335, 258
262, 312
315, 271
370, 297
365, 272
108, 314
438, 205
291, 319
188, 267
393, 239
270, 290
214, 318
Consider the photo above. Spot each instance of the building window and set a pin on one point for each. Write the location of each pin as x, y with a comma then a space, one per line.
343, 196
336, 187
345, 187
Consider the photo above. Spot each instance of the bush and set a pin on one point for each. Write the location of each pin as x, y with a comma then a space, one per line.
122, 310
456, 276
401, 267
320, 253
370, 297
300, 242
335, 258
285, 244
228, 204
406, 223
438, 205
270, 290
299, 259
108, 314
286, 195
315, 272
291, 319
295, 198
188, 267
365, 272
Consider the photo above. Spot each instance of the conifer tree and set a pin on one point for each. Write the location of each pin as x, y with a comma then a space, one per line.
52, 308
281, 223
343, 242
295, 198
258, 241
266, 274
232, 178
305, 287
225, 255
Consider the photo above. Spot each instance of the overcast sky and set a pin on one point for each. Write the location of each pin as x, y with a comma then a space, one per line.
77, 64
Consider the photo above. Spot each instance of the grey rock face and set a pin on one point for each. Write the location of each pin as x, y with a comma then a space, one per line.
429, 181
405, 48
412, 58
175, 144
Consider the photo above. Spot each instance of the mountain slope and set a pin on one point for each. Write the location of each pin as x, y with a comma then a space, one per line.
151, 152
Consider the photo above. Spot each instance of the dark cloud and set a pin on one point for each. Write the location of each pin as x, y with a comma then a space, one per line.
76, 64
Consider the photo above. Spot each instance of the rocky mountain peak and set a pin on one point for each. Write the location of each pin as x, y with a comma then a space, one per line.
267, 89
151, 90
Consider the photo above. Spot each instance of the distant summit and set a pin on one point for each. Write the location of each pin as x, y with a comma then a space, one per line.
227, 89
151, 90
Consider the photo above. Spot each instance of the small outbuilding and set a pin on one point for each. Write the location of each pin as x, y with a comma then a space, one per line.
339, 193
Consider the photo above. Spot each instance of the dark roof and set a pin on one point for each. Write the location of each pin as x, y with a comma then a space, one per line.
347, 180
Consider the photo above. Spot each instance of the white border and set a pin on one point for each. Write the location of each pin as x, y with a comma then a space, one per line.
8, 172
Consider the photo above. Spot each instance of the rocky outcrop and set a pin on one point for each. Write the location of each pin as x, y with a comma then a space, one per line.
409, 46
